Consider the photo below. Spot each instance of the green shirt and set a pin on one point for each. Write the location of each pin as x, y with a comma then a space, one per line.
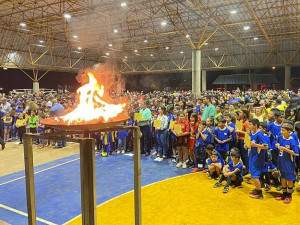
32, 121
209, 111
146, 115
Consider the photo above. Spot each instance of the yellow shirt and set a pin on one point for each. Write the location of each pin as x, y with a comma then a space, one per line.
20, 122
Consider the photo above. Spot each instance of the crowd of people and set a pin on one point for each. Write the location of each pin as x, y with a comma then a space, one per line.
226, 134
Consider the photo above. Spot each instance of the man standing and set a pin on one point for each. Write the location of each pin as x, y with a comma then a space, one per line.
209, 110
6, 107
144, 125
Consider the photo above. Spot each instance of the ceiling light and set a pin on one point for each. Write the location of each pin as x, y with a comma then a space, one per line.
107, 53
23, 24
151, 55
145, 41
41, 41
110, 45
116, 31
123, 4
187, 36
135, 50
167, 48
205, 43
125, 57
79, 48
75, 36
216, 49
163, 23
273, 68
255, 38
5, 68
233, 11
67, 15
246, 27
181, 52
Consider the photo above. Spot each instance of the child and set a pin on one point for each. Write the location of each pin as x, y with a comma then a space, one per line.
202, 140
211, 130
214, 165
231, 126
173, 138
40, 129
232, 172
222, 137
192, 139
106, 141
7, 120
263, 129
182, 139
269, 173
286, 162
256, 157
21, 127
122, 135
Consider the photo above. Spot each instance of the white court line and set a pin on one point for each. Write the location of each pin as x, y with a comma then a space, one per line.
19, 178
130, 192
25, 214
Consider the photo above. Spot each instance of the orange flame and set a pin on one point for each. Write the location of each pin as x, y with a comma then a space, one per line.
91, 106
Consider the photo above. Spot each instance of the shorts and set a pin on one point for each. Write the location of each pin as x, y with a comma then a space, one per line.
255, 172
238, 181
192, 142
200, 151
7, 127
288, 176
182, 144
174, 143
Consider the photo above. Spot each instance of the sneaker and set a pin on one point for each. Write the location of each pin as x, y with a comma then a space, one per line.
203, 170
267, 187
158, 155
174, 160
252, 191
183, 165
279, 188
287, 200
226, 189
123, 151
164, 157
154, 153
209, 176
281, 197
218, 184
256, 195
195, 170
20, 143
179, 164
104, 154
118, 152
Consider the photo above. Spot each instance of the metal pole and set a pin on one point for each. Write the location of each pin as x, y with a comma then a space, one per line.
137, 176
88, 181
29, 178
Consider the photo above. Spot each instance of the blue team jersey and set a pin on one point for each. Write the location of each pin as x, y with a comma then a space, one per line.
219, 160
233, 133
268, 166
256, 156
275, 131
267, 137
122, 134
220, 157
295, 137
200, 139
286, 161
239, 166
40, 129
212, 137
222, 135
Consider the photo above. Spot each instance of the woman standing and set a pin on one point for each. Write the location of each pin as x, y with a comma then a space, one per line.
162, 132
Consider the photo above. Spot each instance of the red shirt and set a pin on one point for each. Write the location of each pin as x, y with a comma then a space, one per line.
185, 127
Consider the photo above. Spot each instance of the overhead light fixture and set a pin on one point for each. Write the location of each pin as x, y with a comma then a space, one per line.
246, 27
255, 38
23, 24
181, 52
79, 48
187, 35
205, 43
75, 36
41, 41
107, 53
123, 4
4, 68
125, 57
167, 48
116, 31
233, 11
145, 41
216, 49
151, 55
163, 23
67, 15
110, 45
135, 50
273, 67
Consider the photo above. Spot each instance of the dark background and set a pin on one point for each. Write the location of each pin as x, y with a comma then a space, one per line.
16, 79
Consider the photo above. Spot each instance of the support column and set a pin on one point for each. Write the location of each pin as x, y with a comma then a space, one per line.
203, 80
137, 176
88, 181
287, 77
196, 72
35, 87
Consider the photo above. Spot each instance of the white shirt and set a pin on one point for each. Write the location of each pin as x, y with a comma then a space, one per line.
164, 121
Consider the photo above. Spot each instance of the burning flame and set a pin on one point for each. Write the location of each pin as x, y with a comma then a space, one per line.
91, 106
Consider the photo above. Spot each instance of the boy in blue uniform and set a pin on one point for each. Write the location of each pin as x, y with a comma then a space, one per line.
222, 137
269, 173
286, 162
256, 156
232, 172
214, 165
